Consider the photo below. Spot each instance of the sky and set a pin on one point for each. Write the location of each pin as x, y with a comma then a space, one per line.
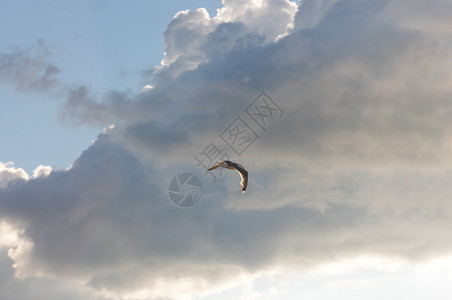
340, 110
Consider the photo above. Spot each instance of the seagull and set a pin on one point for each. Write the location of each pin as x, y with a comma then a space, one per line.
234, 166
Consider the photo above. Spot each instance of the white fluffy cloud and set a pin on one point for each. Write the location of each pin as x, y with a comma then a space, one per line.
42, 170
357, 165
9, 173
192, 37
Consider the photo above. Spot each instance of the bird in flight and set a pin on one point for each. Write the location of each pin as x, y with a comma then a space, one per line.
234, 166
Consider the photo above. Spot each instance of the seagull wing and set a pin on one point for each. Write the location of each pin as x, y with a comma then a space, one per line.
239, 168
221, 163
244, 175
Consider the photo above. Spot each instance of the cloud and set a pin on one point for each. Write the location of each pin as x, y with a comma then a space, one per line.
350, 95
42, 170
192, 37
29, 70
147, 88
357, 165
311, 13
8, 173
38, 288
425, 17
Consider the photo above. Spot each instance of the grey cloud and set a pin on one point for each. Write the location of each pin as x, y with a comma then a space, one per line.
151, 136
358, 163
311, 13
29, 70
431, 17
349, 93
81, 106
108, 219
353, 84
193, 40
230, 36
